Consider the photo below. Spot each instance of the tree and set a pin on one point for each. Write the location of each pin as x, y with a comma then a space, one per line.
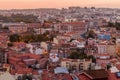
19, 78
89, 34
30, 77
5, 28
10, 44
24, 76
93, 58
15, 38
110, 24
19, 18
27, 77
108, 66
30, 38
74, 55
116, 25
77, 55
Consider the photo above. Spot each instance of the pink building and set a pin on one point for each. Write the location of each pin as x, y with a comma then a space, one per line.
73, 26
18, 28
102, 48
34, 25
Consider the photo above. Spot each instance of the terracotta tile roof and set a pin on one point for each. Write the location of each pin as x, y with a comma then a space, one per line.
51, 76
14, 59
83, 77
66, 35
24, 71
96, 74
35, 72
112, 76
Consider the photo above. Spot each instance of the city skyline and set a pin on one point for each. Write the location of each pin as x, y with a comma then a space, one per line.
30, 4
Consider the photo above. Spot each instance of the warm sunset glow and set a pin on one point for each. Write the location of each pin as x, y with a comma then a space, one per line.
13, 4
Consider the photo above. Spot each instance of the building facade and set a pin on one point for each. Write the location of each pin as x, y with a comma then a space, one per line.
76, 64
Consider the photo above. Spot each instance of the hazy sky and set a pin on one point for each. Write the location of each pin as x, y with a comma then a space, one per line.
16, 4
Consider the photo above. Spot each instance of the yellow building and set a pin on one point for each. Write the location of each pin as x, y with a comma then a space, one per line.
111, 49
76, 64
118, 49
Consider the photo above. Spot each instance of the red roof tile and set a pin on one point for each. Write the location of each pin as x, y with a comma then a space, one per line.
112, 76
83, 77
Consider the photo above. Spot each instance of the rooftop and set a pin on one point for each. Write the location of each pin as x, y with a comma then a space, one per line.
97, 74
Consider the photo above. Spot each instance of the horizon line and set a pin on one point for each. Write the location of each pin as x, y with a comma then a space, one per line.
58, 8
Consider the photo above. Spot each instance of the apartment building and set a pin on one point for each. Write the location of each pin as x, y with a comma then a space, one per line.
18, 28
76, 64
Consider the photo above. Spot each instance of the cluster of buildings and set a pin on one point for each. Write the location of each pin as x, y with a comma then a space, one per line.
69, 14
49, 60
